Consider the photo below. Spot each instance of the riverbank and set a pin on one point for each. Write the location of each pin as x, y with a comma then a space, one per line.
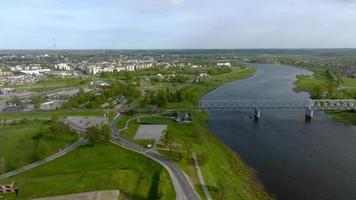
328, 84
226, 175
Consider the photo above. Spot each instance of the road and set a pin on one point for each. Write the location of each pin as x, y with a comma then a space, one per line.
184, 189
201, 177
66, 150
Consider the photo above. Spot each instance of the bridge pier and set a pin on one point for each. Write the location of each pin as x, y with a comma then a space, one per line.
257, 114
309, 113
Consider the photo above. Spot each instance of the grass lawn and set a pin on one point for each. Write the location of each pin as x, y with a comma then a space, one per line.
349, 82
48, 114
347, 117
18, 147
102, 167
315, 85
52, 84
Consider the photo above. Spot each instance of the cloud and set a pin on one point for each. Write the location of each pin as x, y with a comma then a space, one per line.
178, 2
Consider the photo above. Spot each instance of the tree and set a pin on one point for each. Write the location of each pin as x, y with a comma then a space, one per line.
36, 101
15, 100
41, 151
2, 166
106, 132
96, 134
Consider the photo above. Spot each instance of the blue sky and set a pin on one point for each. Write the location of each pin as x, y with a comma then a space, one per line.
152, 24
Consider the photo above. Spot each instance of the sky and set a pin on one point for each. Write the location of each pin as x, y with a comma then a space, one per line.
177, 24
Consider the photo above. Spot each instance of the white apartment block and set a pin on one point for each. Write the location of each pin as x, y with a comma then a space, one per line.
62, 66
226, 64
93, 69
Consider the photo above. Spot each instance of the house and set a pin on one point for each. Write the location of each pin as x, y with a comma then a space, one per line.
8, 189
226, 64
182, 117
5, 73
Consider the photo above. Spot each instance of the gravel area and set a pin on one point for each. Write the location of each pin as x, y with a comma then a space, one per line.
148, 132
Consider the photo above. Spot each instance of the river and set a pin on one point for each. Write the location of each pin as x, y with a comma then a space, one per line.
293, 160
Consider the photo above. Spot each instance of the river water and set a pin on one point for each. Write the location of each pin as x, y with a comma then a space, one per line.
294, 160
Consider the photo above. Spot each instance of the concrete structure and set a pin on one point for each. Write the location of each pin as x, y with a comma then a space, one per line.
83, 123
52, 105
150, 132
35, 71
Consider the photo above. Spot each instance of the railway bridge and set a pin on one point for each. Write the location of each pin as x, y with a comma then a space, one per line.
257, 105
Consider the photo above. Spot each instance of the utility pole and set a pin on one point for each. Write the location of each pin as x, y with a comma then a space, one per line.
54, 44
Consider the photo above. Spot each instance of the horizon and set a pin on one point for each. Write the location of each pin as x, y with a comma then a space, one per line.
174, 49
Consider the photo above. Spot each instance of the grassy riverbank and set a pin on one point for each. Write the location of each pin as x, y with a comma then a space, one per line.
226, 176
324, 84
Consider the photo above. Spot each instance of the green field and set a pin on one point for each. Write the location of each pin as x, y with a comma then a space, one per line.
102, 167
317, 85
347, 117
48, 114
18, 147
349, 82
52, 84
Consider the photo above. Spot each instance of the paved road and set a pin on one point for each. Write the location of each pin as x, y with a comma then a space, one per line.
201, 177
69, 148
184, 189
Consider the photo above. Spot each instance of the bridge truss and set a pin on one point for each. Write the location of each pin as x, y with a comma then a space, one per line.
324, 104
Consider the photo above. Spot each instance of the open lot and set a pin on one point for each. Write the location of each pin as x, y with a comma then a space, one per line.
101, 167
147, 132
86, 122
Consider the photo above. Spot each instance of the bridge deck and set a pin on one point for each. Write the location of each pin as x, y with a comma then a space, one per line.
278, 104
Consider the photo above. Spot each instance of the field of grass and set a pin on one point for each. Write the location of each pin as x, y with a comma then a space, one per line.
18, 147
48, 114
317, 85
52, 84
101, 167
349, 82
347, 117
226, 175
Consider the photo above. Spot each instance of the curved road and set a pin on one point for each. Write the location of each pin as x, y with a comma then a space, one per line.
184, 189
